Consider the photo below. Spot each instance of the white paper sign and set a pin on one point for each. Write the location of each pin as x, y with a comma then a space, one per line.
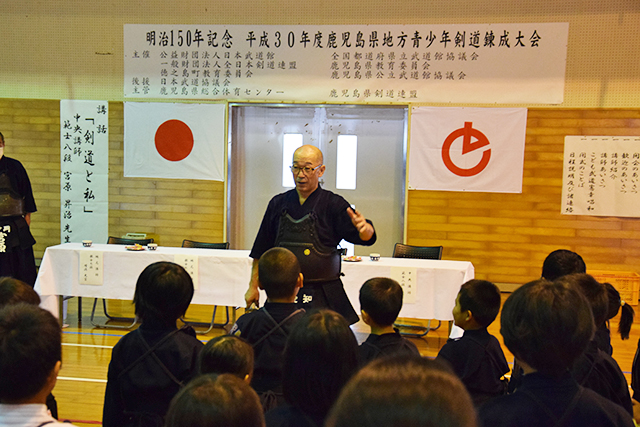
464, 63
407, 277
601, 176
91, 268
190, 263
84, 171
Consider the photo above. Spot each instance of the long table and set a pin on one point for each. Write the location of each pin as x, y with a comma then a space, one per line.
223, 277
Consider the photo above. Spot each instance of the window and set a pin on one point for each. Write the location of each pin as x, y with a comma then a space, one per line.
291, 141
346, 165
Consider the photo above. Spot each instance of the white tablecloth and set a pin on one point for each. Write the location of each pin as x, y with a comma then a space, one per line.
224, 277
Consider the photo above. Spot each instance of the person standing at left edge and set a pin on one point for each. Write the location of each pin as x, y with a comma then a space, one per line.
16, 205
311, 221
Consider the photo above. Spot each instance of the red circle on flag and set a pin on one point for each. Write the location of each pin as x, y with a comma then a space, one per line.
174, 140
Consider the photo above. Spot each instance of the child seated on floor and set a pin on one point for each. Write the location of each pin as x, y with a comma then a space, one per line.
14, 291
267, 329
477, 357
595, 369
227, 354
547, 325
30, 359
320, 357
380, 304
149, 365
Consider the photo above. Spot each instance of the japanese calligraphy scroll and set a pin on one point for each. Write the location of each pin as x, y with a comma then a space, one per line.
464, 63
601, 176
84, 170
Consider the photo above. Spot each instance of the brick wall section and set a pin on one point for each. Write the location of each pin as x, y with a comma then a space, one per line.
506, 236
168, 210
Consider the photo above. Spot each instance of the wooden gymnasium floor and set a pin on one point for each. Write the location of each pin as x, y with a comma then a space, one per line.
87, 351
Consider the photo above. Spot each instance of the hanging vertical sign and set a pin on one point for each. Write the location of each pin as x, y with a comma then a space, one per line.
601, 176
84, 170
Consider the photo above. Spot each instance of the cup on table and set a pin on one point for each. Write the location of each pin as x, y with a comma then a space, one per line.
152, 246
374, 257
87, 243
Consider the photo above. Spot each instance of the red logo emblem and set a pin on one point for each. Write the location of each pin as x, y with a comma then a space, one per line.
467, 132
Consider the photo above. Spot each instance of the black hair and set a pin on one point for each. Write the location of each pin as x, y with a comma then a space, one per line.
403, 390
547, 325
381, 298
1, 139
482, 298
30, 347
594, 291
213, 401
616, 304
278, 272
13, 291
562, 262
321, 355
226, 354
163, 292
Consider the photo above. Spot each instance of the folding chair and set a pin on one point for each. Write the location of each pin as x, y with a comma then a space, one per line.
116, 241
421, 252
206, 245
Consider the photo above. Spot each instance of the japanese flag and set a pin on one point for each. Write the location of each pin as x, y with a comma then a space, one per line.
467, 149
183, 141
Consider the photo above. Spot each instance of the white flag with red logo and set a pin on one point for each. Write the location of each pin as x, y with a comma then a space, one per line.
178, 141
467, 149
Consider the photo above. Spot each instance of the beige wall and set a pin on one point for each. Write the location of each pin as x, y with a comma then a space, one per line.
73, 50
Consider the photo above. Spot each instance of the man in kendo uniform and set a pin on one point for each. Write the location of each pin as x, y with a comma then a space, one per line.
16, 205
310, 222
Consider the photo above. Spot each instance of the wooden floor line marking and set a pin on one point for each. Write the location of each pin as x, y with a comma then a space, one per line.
87, 345
88, 380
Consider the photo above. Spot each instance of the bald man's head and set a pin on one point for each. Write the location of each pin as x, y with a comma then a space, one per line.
311, 152
307, 157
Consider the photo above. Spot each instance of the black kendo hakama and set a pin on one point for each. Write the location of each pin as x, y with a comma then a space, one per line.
16, 241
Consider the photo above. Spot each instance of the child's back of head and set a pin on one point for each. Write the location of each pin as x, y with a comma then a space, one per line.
403, 391
594, 291
320, 357
482, 299
163, 292
381, 299
278, 273
562, 262
535, 309
13, 291
215, 400
30, 349
617, 304
227, 354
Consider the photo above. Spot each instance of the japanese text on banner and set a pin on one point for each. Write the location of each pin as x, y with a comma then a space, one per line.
357, 64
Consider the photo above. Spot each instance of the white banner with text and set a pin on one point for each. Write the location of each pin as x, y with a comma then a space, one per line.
462, 63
